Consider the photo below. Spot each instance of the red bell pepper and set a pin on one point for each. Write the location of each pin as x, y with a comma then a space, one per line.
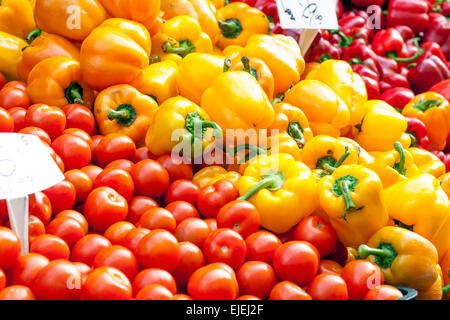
323, 50
429, 69
388, 65
340, 38
405, 31
444, 157
418, 133
389, 42
362, 54
439, 31
411, 13
443, 88
371, 80
393, 80
366, 3
397, 97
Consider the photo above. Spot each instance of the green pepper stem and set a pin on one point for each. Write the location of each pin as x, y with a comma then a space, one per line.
74, 93
425, 104
154, 58
114, 114
349, 204
254, 151
125, 114
346, 41
185, 47
446, 290
414, 57
226, 64
342, 158
246, 62
400, 166
217, 131
295, 130
273, 181
364, 251
33, 35
278, 99
230, 28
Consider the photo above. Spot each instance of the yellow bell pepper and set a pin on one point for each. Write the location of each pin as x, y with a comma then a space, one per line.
238, 22
326, 112
16, 17
405, 258
381, 127
218, 4
433, 110
394, 166
284, 143
365, 159
445, 267
158, 80
420, 205
179, 126
209, 175
236, 101
57, 82
283, 190
181, 35
115, 53
281, 54
72, 19
310, 66
427, 162
352, 197
233, 52
10, 53
445, 183
197, 73
123, 109
435, 291
201, 10
348, 85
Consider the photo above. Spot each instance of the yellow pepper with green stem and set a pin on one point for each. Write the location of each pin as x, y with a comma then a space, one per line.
16, 17
427, 162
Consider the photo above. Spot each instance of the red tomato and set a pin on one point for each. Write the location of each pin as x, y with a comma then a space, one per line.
181, 296
191, 259
143, 153
225, 245
16, 84
154, 292
103, 207
177, 169
68, 229
256, 278
92, 171
182, 190
328, 286
361, 276
261, 246
59, 280
296, 261
158, 249
39, 205
215, 281
35, 227
82, 267
158, 218
339, 253
329, 266
117, 179
182, 210
118, 231
241, 216
212, 224
154, 276
133, 238
121, 164
87, 248
2, 80
9, 248
137, 206
150, 178
107, 283
81, 134
2, 279
112, 147
214, 197
18, 116
37, 132
78, 116
74, 151
383, 292
194, 230
11, 97
118, 257
318, 232
17, 293
62, 196
50, 246
74, 215
6, 121
51, 119
248, 297
287, 290
26, 269
82, 183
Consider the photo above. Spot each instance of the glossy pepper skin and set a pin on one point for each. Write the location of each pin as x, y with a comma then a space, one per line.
238, 22
434, 111
281, 54
397, 97
348, 85
236, 101
381, 127
57, 82
394, 166
438, 31
158, 80
418, 132
405, 258
389, 42
209, 175
11, 52
362, 54
443, 88
72, 19
326, 112
123, 109
283, 190
16, 17
371, 80
115, 53
352, 198
426, 211
413, 14
45, 46
427, 162
181, 35
184, 118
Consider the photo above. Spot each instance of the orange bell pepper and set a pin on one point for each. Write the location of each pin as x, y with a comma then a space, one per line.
16, 17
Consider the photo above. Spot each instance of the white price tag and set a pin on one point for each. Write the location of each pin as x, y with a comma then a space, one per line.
307, 14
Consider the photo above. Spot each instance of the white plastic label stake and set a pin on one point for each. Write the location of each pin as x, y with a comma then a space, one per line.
26, 167
307, 14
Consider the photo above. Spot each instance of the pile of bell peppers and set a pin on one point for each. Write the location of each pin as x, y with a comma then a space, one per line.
148, 109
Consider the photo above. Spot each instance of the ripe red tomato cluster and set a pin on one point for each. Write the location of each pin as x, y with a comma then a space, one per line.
125, 224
